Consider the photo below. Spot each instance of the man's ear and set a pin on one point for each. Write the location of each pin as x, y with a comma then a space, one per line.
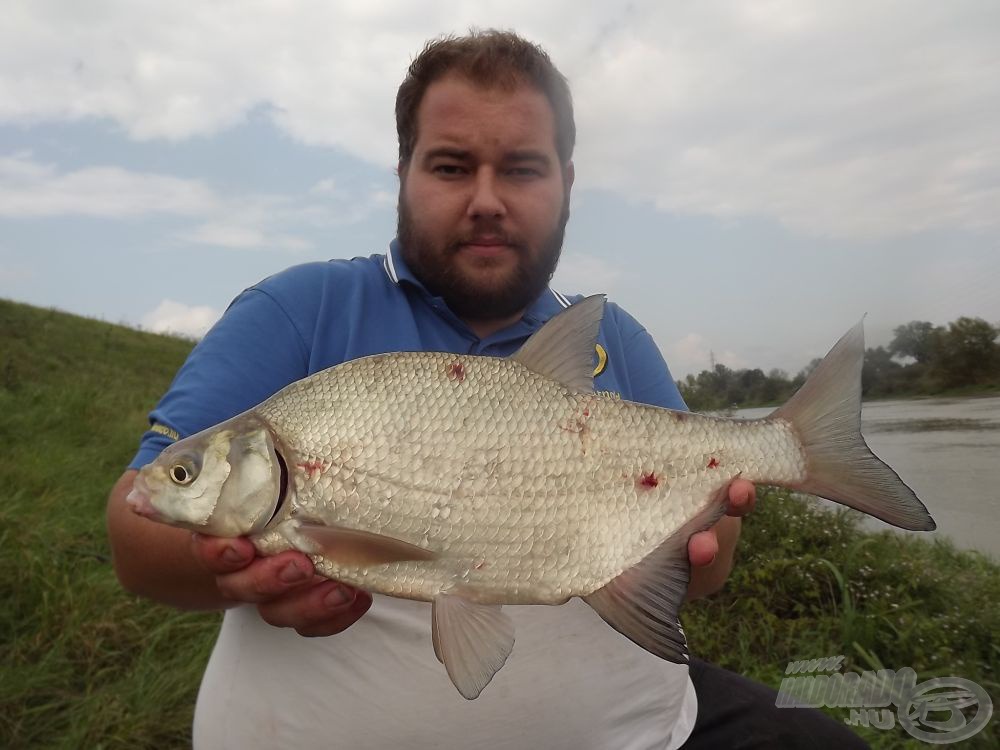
569, 174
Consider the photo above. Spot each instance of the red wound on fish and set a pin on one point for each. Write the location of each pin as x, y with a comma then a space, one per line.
312, 466
649, 480
456, 372
713, 462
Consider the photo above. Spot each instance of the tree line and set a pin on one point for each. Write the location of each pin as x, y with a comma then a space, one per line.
921, 359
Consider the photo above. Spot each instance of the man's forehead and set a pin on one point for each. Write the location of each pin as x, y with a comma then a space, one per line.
455, 109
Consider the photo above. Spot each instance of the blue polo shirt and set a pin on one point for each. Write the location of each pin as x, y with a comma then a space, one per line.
316, 315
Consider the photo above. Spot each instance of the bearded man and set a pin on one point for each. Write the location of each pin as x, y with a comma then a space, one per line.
486, 135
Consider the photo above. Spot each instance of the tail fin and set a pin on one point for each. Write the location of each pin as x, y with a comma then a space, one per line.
826, 415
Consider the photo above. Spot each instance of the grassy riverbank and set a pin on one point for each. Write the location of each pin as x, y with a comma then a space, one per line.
83, 665
810, 583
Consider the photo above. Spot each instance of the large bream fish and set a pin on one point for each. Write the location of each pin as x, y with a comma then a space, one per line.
472, 482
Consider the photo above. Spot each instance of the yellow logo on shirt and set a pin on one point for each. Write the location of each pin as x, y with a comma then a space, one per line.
602, 360
164, 430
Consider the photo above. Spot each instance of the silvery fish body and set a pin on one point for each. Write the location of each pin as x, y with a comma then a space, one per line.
527, 492
472, 482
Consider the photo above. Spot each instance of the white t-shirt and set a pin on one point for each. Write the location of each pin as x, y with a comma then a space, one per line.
570, 682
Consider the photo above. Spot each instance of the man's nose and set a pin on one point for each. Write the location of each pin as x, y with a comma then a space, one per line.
486, 201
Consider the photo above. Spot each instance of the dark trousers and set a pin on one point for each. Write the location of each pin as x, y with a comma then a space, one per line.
734, 712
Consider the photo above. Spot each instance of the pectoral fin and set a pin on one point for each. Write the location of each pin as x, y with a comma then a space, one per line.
472, 641
642, 603
360, 548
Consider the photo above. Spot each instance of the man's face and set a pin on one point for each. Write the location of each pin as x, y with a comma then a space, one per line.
484, 199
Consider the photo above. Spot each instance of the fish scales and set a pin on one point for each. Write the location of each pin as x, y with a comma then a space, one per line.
529, 492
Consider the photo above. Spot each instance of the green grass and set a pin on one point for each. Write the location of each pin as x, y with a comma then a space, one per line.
85, 665
810, 583
82, 664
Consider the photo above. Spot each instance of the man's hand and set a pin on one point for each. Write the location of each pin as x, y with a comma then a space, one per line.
169, 565
285, 588
711, 551
703, 547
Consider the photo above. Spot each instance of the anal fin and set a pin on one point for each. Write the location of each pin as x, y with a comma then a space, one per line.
642, 603
472, 641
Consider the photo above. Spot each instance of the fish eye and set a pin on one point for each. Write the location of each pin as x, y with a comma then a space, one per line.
182, 474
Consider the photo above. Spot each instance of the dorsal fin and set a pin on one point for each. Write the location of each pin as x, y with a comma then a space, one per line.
563, 349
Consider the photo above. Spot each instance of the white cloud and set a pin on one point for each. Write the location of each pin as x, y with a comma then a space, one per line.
241, 237
337, 204
831, 118
579, 273
29, 189
271, 221
694, 353
172, 70
177, 318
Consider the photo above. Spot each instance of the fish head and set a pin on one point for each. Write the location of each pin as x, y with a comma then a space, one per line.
225, 481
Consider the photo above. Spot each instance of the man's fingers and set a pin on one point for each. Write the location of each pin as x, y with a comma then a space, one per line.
219, 555
285, 588
742, 496
325, 608
703, 547
266, 578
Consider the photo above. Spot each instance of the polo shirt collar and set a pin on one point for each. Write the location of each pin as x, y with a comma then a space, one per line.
548, 303
397, 270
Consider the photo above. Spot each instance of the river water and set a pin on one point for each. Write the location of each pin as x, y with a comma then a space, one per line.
948, 451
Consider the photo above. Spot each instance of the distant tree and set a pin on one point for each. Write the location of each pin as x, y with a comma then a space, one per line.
967, 353
718, 382
879, 372
752, 386
964, 353
721, 388
915, 339
779, 387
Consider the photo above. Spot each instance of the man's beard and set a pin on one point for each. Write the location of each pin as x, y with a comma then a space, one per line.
433, 266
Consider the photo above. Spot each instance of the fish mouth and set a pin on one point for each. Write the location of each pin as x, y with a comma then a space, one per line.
139, 500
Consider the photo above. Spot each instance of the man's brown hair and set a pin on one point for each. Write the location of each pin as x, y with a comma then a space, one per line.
491, 59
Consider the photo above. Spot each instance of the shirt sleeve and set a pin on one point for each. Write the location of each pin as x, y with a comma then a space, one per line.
649, 378
253, 351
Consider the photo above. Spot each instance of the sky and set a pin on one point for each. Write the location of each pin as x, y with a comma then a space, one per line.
751, 177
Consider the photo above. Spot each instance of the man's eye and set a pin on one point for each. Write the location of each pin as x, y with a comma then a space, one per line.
523, 172
448, 170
